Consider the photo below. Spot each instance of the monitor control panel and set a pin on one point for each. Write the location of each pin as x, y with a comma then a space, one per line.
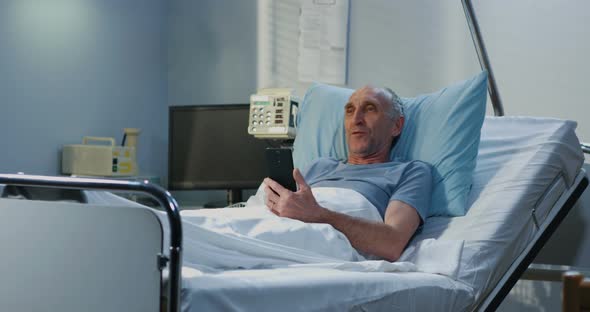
272, 114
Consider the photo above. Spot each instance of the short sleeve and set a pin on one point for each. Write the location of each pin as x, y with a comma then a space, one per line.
415, 187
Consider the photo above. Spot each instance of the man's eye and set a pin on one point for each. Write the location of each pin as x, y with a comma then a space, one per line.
370, 108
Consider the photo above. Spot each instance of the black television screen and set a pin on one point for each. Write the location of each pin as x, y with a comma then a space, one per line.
210, 148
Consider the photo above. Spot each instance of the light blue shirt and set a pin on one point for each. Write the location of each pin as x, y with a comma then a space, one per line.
408, 182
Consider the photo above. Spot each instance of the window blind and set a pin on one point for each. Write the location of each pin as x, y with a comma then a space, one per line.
278, 41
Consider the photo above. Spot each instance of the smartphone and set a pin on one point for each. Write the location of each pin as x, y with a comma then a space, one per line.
280, 166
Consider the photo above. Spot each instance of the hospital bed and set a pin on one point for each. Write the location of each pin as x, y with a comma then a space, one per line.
66, 256
527, 177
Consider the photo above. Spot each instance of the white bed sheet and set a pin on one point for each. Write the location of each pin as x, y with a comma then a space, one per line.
523, 163
315, 289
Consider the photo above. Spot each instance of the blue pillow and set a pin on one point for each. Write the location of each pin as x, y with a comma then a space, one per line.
442, 128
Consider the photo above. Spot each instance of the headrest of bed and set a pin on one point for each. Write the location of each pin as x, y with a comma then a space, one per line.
442, 128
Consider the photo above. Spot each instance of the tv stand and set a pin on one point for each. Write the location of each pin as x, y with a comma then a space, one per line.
234, 196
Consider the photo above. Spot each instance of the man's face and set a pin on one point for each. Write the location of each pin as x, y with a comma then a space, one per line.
369, 127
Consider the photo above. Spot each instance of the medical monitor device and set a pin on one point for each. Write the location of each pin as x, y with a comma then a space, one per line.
210, 148
272, 114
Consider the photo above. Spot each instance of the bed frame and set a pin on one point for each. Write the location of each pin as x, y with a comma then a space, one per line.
556, 215
113, 256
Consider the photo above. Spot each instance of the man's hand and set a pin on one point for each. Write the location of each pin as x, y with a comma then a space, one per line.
300, 205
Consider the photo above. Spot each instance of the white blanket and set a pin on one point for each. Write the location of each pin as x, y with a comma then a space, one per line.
253, 237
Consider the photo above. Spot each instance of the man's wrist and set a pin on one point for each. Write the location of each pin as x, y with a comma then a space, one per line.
325, 215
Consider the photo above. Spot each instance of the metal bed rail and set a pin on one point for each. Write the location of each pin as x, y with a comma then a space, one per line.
482, 54
163, 197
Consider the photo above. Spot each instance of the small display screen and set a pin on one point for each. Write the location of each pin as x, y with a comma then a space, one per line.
261, 103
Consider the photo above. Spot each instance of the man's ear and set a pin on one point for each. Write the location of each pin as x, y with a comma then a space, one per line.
399, 125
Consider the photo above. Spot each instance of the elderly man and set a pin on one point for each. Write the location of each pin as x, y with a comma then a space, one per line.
399, 190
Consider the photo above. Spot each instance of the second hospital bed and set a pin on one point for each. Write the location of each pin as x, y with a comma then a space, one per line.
63, 256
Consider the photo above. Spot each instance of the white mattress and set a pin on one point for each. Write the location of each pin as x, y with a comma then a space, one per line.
523, 163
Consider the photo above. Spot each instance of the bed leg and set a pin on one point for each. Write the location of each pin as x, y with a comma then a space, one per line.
571, 291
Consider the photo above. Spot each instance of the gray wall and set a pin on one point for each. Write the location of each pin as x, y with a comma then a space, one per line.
537, 48
71, 68
212, 52
211, 60
413, 46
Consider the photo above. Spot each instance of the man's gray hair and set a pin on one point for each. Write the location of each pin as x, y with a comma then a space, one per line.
397, 109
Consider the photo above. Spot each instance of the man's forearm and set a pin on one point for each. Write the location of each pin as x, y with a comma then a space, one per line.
375, 238
385, 239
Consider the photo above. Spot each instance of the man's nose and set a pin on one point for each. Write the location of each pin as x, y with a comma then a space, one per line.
358, 117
